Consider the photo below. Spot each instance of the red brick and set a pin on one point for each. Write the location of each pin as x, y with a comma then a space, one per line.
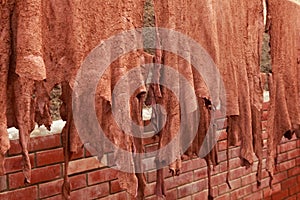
171, 194
222, 145
291, 145
256, 188
237, 183
28, 193
185, 190
215, 170
223, 167
288, 183
167, 172
153, 197
246, 180
294, 197
178, 180
294, 171
14, 164
234, 152
38, 175
294, 189
92, 192
298, 161
151, 176
3, 183
200, 174
36, 144
57, 197
255, 196
222, 156
77, 155
49, 157
193, 164
50, 188
234, 163
200, 195
283, 157
191, 188
264, 116
223, 197
254, 166
186, 198
115, 186
293, 153
280, 195
151, 140
150, 189
78, 181
215, 191
82, 165
266, 106
265, 182
241, 192
15, 147
223, 188
268, 191
200, 186
218, 179
237, 173
265, 152
187, 166
45, 142
278, 177
53, 188
198, 163
287, 165
119, 196
151, 148
102, 176
222, 135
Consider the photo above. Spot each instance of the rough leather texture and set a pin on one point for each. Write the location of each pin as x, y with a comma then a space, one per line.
284, 112
231, 32
44, 44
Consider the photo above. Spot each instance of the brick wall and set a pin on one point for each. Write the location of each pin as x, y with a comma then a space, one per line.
91, 180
